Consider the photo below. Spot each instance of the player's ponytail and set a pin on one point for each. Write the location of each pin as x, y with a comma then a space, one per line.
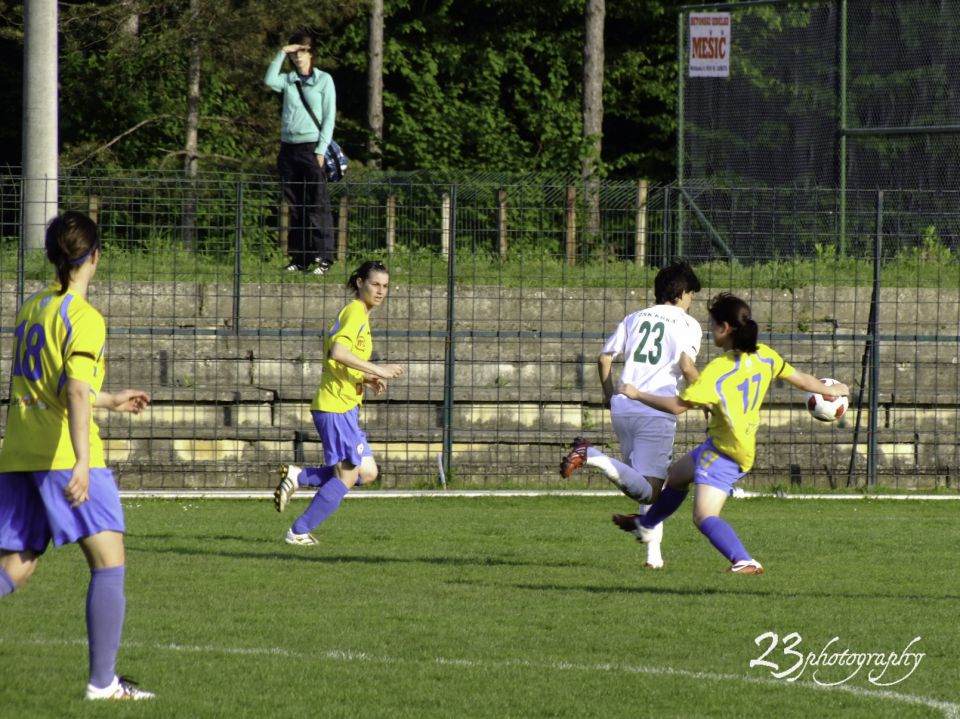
69, 242
729, 309
363, 273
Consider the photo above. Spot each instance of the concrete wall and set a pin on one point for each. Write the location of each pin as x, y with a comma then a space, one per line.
227, 409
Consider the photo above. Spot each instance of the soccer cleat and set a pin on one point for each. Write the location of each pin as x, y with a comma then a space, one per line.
288, 485
575, 457
651, 565
122, 689
746, 566
292, 267
631, 523
302, 539
626, 522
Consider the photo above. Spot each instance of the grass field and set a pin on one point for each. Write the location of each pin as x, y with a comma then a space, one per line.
495, 607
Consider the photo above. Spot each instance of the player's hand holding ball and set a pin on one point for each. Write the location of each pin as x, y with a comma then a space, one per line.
830, 404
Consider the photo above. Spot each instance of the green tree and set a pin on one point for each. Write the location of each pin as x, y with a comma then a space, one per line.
483, 85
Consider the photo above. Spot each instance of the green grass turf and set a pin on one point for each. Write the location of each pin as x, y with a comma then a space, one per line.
494, 607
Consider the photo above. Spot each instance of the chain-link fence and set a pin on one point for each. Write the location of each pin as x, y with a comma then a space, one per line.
848, 94
500, 302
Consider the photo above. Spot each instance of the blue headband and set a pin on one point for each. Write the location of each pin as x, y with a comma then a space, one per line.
83, 258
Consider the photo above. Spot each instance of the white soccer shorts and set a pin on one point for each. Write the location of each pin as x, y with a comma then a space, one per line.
646, 442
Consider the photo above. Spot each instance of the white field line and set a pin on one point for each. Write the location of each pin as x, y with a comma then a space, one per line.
950, 710
419, 493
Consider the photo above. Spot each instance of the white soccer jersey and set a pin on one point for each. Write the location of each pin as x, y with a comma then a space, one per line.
650, 342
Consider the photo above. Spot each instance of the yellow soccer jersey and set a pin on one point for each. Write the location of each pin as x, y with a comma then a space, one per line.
733, 386
56, 337
341, 388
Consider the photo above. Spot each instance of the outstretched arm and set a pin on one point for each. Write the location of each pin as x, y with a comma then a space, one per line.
809, 383
672, 405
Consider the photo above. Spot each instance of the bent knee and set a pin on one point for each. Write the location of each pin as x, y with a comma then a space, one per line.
700, 517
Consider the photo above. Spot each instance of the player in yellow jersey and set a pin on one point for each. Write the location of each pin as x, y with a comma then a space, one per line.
53, 480
347, 369
733, 387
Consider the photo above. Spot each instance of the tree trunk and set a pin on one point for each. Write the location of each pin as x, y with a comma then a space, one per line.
375, 83
593, 57
193, 105
130, 25
192, 130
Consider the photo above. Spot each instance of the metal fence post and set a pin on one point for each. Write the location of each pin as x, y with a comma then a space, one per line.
449, 363
875, 354
665, 241
237, 264
21, 248
843, 126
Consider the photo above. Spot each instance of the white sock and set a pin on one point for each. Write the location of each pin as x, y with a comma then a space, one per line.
654, 557
628, 480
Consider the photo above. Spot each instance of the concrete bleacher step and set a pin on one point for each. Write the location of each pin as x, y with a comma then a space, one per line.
524, 376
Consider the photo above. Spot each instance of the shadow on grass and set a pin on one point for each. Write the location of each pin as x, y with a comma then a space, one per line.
309, 554
742, 589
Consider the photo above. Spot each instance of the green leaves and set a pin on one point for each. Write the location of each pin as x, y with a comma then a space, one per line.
477, 85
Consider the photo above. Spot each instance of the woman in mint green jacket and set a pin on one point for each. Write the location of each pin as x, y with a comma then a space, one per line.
305, 132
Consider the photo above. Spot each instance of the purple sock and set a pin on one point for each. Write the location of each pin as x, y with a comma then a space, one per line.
325, 503
106, 604
315, 476
722, 536
667, 503
6, 584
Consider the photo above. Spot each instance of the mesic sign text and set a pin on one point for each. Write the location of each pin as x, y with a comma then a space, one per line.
710, 44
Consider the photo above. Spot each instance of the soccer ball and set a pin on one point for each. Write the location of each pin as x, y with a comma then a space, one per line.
826, 407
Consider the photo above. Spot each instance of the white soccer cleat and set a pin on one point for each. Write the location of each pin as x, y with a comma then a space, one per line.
746, 566
302, 539
121, 689
287, 486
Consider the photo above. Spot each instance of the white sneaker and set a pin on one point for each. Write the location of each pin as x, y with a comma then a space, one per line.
287, 486
746, 566
304, 539
121, 689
